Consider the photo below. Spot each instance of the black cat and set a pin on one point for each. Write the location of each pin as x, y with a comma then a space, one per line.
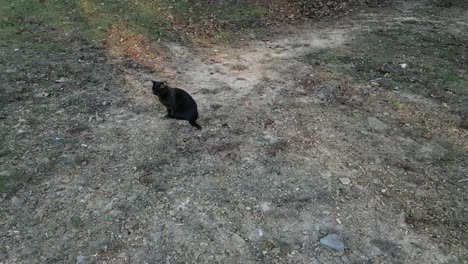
179, 104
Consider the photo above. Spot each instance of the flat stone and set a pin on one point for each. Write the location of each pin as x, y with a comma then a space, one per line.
80, 260
115, 212
345, 181
238, 242
132, 198
271, 139
314, 236
85, 260
156, 236
130, 225
6, 173
16, 201
375, 124
61, 80
384, 82
345, 259
333, 241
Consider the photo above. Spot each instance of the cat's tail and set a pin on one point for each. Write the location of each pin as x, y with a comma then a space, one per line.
194, 124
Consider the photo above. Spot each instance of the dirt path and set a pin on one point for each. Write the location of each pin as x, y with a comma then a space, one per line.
290, 151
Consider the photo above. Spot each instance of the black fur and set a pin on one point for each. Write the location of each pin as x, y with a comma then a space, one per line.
179, 104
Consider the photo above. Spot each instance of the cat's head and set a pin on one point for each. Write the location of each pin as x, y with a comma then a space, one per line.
159, 87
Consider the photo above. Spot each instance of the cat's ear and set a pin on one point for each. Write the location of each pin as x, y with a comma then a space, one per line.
159, 85
156, 84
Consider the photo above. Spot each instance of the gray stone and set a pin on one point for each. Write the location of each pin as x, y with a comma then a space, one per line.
384, 82
80, 260
338, 260
43, 160
374, 251
101, 244
156, 236
314, 236
345, 259
6, 173
238, 242
333, 241
130, 225
41, 95
60, 231
16, 201
61, 80
115, 212
375, 124
132, 198
345, 181
85, 260
271, 139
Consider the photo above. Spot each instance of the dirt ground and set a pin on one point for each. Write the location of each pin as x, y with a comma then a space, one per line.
355, 127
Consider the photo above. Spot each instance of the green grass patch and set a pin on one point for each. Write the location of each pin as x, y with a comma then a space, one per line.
48, 26
138, 17
76, 221
168, 20
435, 60
456, 260
42, 26
234, 12
396, 105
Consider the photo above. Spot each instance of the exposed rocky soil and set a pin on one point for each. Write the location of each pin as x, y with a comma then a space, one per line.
295, 145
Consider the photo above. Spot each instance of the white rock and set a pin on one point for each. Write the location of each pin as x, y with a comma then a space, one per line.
61, 80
